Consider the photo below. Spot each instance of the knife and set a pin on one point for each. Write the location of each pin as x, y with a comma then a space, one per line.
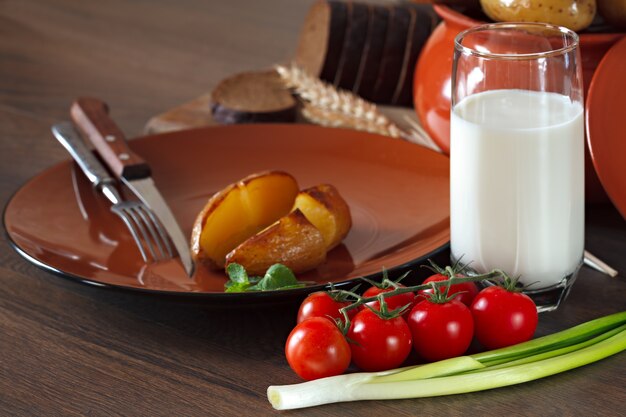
97, 174
91, 116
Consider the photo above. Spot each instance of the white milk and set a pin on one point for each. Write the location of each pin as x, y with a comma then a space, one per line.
517, 184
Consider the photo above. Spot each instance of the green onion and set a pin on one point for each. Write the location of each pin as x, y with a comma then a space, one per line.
538, 358
560, 351
563, 338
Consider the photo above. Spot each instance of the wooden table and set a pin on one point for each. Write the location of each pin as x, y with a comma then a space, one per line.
70, 349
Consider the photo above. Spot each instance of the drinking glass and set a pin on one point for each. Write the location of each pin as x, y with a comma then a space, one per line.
517, 156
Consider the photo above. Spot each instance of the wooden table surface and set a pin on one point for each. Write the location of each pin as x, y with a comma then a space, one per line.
71, 349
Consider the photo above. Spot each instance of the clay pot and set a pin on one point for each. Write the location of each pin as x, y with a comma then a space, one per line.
432, 83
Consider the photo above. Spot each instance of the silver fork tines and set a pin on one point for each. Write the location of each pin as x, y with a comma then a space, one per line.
150, 237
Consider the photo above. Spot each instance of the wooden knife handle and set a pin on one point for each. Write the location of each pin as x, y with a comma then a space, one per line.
91, 116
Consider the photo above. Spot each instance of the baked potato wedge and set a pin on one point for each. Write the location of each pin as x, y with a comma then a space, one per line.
323, 206
573, 14
292, 241
240, 211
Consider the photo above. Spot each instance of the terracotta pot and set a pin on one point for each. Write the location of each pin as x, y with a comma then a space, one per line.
432, 84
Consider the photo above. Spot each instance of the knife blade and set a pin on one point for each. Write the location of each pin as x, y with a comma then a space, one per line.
91, 117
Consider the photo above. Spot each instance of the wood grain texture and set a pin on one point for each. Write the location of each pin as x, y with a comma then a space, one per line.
69, 349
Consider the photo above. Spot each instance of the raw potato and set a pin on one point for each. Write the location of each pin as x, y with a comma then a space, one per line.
240, 211
292, 241
573, 14
327, 210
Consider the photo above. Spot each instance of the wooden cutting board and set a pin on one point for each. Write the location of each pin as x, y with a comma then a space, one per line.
197, 113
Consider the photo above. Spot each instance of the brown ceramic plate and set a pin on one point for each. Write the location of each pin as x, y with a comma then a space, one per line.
397, 192
606, 129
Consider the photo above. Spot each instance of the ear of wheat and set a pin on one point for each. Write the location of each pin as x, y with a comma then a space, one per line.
326, 105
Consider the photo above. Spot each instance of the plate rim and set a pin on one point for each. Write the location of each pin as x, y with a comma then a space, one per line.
223, 296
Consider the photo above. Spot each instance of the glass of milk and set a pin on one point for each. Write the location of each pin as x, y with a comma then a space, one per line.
517, 155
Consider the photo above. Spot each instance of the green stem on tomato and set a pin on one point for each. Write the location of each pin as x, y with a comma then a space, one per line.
403, 290
359, 301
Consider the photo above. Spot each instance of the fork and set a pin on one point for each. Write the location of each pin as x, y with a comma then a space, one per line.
150, 237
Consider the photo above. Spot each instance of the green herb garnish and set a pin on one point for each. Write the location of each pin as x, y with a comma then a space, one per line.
277, 277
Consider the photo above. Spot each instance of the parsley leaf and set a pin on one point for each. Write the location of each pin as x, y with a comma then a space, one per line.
237, 273
277, 277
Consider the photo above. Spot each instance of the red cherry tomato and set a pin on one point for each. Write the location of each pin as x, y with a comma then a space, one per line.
393, 302
503, 317
379, 344
441, 331
316, 348
321, 304
466, 290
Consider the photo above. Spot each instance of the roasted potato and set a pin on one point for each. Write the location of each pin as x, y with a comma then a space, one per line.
240, 211
323, 206
263, 220
292, 241
573, 14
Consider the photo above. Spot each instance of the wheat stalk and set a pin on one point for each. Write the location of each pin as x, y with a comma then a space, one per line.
326, 105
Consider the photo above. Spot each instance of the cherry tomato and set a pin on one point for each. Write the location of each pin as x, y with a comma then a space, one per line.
393, 302
379, 344
316, 348
321, 304
503, 317
466, 290
441, 331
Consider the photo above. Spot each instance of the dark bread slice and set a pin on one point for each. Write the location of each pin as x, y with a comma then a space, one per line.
321, 39
372, 52
353, 44
393, 54
337, 34
423, 22
252, 97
